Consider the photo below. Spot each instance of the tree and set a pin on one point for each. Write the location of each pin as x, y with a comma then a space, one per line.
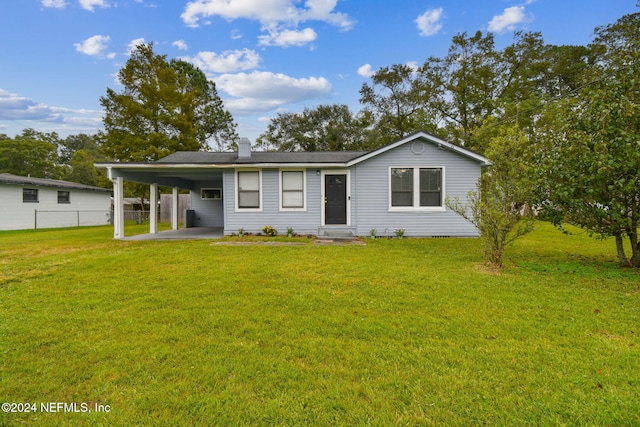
590, 159
30, 154
396, 102
452, 97
78, 154
73, 143
498, 208
165, 106
324, 128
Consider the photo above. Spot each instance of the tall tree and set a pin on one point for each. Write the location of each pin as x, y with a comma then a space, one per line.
591, 157
324, 128
73, 143
165, 106
396, 101
470, 79
30, 154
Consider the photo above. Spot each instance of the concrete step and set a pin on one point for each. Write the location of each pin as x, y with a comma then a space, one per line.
336, 235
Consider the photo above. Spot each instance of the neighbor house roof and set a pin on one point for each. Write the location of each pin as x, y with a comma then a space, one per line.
7, 178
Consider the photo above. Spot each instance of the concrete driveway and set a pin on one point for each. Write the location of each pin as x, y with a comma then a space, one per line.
191, 233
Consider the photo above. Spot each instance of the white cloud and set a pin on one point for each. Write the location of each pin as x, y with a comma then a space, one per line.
94, 46
366, 71
90, 4
322, 10
227, 62
288, 38
413, 65
15, 107
278, 17
510, 17
57, 4
180, 44
262, 91
429, 22
133, 44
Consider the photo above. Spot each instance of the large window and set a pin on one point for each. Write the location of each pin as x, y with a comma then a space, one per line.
292, 187
248, 189
30, 195
416, 188
64, 197
401, 187
430, 187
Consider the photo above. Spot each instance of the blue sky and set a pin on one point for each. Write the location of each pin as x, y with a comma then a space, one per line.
57, 57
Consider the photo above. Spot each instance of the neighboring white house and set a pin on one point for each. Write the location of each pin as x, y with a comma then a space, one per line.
27, 202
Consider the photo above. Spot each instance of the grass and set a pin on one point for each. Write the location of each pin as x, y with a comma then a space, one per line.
395, 332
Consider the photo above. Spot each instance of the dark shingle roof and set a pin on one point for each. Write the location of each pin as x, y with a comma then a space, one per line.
7, 178
257, 157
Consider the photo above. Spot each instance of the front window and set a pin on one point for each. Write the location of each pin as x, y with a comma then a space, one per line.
401, 187
249, 190
29, 195
292, 189
430, 187
64, 197
416, 188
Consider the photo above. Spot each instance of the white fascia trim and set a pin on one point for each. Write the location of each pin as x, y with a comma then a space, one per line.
130, 166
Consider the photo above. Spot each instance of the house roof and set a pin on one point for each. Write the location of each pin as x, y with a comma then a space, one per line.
7, 178
199, 159
260, 157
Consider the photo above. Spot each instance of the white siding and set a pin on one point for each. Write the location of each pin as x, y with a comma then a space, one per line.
87, 207
370, 189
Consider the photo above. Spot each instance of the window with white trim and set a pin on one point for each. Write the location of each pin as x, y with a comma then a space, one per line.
292, 190
416, 188
248, 189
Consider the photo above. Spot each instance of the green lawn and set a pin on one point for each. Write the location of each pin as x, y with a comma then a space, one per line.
395, 332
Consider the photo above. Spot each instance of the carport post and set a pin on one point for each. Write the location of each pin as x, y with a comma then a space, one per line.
174, 209
153, 208
118, 208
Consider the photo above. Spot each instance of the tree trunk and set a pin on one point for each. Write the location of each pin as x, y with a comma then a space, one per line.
624, 261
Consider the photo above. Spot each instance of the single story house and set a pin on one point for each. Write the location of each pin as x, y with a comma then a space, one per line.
27, 202
402, 185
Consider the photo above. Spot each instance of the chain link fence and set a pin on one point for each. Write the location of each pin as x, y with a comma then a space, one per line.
78, 218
